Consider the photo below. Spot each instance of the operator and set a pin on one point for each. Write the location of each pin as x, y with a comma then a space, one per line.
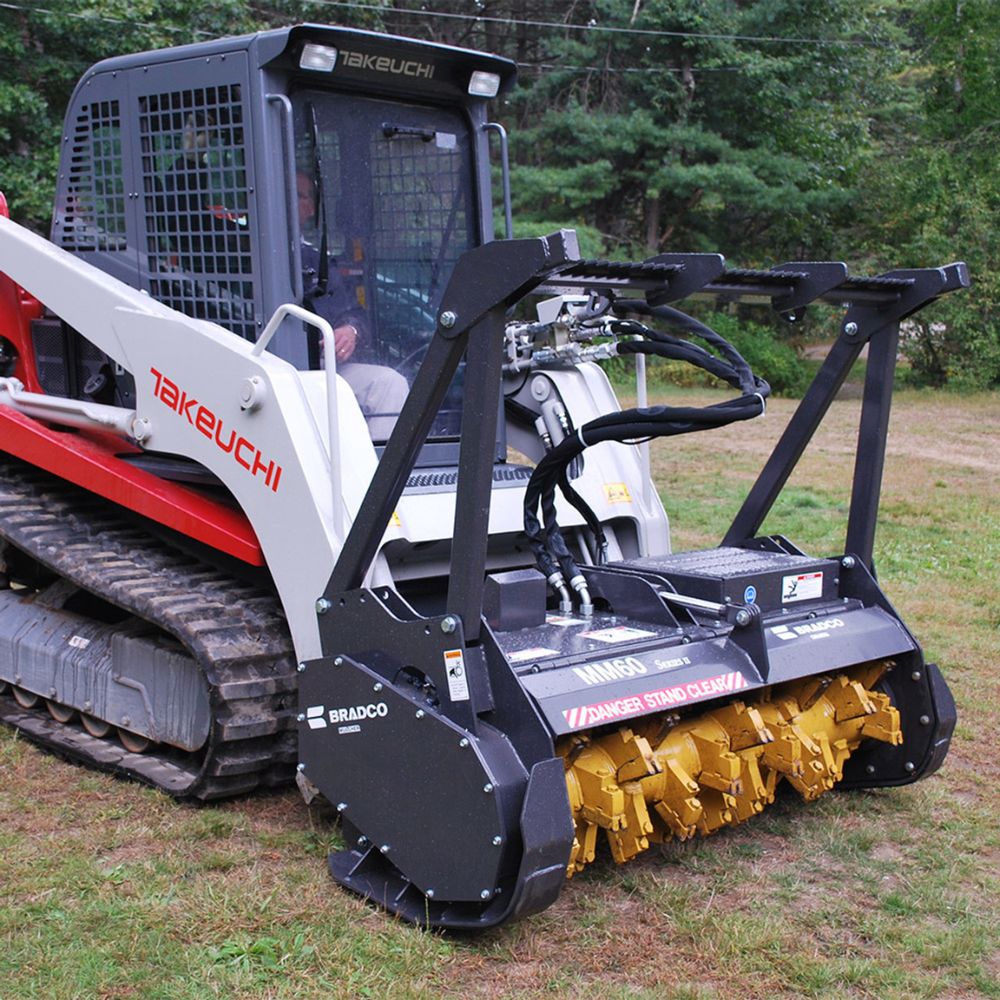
380, 391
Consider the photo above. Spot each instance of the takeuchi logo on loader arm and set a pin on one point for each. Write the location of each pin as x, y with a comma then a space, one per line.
205, 421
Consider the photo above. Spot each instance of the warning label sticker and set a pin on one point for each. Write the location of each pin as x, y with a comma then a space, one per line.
651, 701
454, 668
535, 653
804, 587
617, 493
563, 621
619, 633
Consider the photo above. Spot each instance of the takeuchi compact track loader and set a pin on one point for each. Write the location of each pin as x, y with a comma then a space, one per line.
293, 485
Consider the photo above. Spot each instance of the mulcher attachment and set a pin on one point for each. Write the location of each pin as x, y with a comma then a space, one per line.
474, 762
663, 777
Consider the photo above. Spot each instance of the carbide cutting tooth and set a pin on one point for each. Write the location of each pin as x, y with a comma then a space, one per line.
666, 777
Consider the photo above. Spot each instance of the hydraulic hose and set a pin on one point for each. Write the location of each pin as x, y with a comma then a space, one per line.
545, 536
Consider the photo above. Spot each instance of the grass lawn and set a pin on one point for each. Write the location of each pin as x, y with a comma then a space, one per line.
110, 890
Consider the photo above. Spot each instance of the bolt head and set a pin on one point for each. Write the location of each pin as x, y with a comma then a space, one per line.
429, 893
488, 787
449, 624
910, 766
870, 769
448, 319
419, 713
377, 686
848, 562
300, 767
341, 806
497, 841
915, 676
301, 668
301, 717
323, 606
384, 849
850, 329
463, 742
743, 617
485, 894
338, 661
925, 720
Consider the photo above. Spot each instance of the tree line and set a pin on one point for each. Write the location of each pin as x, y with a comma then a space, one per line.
768, 130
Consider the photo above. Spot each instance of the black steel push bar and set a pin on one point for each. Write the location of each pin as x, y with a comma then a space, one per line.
489, 279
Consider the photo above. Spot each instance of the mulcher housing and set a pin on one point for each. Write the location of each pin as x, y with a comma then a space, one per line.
213, 550
500, 790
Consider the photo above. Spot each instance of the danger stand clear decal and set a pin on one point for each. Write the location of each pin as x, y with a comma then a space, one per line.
600, 712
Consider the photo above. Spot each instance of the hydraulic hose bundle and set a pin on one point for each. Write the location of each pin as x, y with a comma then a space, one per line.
552, 554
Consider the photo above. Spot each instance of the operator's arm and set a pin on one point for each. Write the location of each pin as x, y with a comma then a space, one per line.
336, 305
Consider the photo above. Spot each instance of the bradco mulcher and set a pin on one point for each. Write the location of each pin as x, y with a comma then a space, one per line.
285, 491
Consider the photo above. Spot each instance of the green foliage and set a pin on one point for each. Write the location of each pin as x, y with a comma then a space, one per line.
768, 355
262, 956
667, 142
935, 192
870, 136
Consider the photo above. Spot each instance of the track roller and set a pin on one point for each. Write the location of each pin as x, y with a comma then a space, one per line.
133, 742
97, 728
61, 713
24, 698
666, 777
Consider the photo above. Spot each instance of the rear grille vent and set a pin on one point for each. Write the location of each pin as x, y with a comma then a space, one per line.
442, 480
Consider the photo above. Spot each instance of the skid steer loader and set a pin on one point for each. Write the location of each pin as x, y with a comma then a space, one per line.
234, 553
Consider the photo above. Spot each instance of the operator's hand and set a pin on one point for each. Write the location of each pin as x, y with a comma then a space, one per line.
345, 339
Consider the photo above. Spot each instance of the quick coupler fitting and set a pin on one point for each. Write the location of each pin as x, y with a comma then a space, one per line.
558, 583
579, 584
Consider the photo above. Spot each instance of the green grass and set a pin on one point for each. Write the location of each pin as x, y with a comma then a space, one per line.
112, 891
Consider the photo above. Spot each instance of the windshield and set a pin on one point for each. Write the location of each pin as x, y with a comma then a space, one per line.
386, 207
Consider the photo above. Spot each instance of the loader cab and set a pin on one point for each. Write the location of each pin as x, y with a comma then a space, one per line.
182, 168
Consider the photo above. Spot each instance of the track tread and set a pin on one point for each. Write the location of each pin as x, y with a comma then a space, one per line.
236, 632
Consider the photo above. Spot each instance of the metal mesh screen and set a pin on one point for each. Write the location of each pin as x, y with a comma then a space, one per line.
196, 198
50, 357
93, 217
420, 224
397, 184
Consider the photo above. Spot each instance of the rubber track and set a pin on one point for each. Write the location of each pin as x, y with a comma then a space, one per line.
236, 632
